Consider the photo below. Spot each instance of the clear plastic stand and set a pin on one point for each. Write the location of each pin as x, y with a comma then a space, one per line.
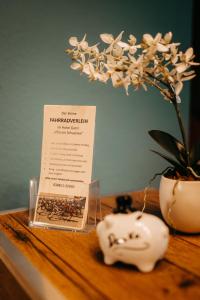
93, 212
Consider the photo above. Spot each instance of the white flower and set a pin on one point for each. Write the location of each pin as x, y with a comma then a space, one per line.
188, 75
83, 45
155, 61
149, 40
93, 49
167, 38
132, 40
117, 51
86, 69
126, 47
75, 66
103, 77
162, 48
155, 43
118, 80
172, 55
116, 77
186, 61
107, 38
73, 41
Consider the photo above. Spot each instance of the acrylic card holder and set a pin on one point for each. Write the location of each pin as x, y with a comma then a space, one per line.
65, 210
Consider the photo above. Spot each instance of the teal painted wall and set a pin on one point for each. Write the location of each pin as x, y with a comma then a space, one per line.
34, 71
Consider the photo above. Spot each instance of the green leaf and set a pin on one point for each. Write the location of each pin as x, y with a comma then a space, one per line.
195, 154
170, 144
180, 168
196, 167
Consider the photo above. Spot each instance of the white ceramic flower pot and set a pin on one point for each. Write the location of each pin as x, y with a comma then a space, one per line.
180, 204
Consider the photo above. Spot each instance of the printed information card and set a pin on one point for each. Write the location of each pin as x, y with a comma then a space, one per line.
66, 166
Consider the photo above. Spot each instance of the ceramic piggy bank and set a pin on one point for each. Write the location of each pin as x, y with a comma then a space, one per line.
136, 238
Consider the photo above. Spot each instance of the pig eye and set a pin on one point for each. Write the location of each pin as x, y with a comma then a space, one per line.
132, 235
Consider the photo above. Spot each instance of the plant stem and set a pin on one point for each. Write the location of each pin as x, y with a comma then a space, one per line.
178, 113
176, 107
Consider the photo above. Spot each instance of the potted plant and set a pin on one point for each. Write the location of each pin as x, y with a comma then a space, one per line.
158, 62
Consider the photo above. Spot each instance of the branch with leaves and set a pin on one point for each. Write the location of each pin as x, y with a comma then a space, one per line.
154, 61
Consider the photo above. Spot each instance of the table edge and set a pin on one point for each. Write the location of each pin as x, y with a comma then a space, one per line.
36, 285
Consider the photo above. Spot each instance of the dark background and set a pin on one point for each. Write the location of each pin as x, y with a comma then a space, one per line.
195, 86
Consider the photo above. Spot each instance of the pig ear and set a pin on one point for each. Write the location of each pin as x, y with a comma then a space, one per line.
108, 222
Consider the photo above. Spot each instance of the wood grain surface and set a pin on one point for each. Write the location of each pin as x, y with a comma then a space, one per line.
9, 287
73, 263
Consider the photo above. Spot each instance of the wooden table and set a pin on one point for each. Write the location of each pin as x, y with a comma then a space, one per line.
56, 265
